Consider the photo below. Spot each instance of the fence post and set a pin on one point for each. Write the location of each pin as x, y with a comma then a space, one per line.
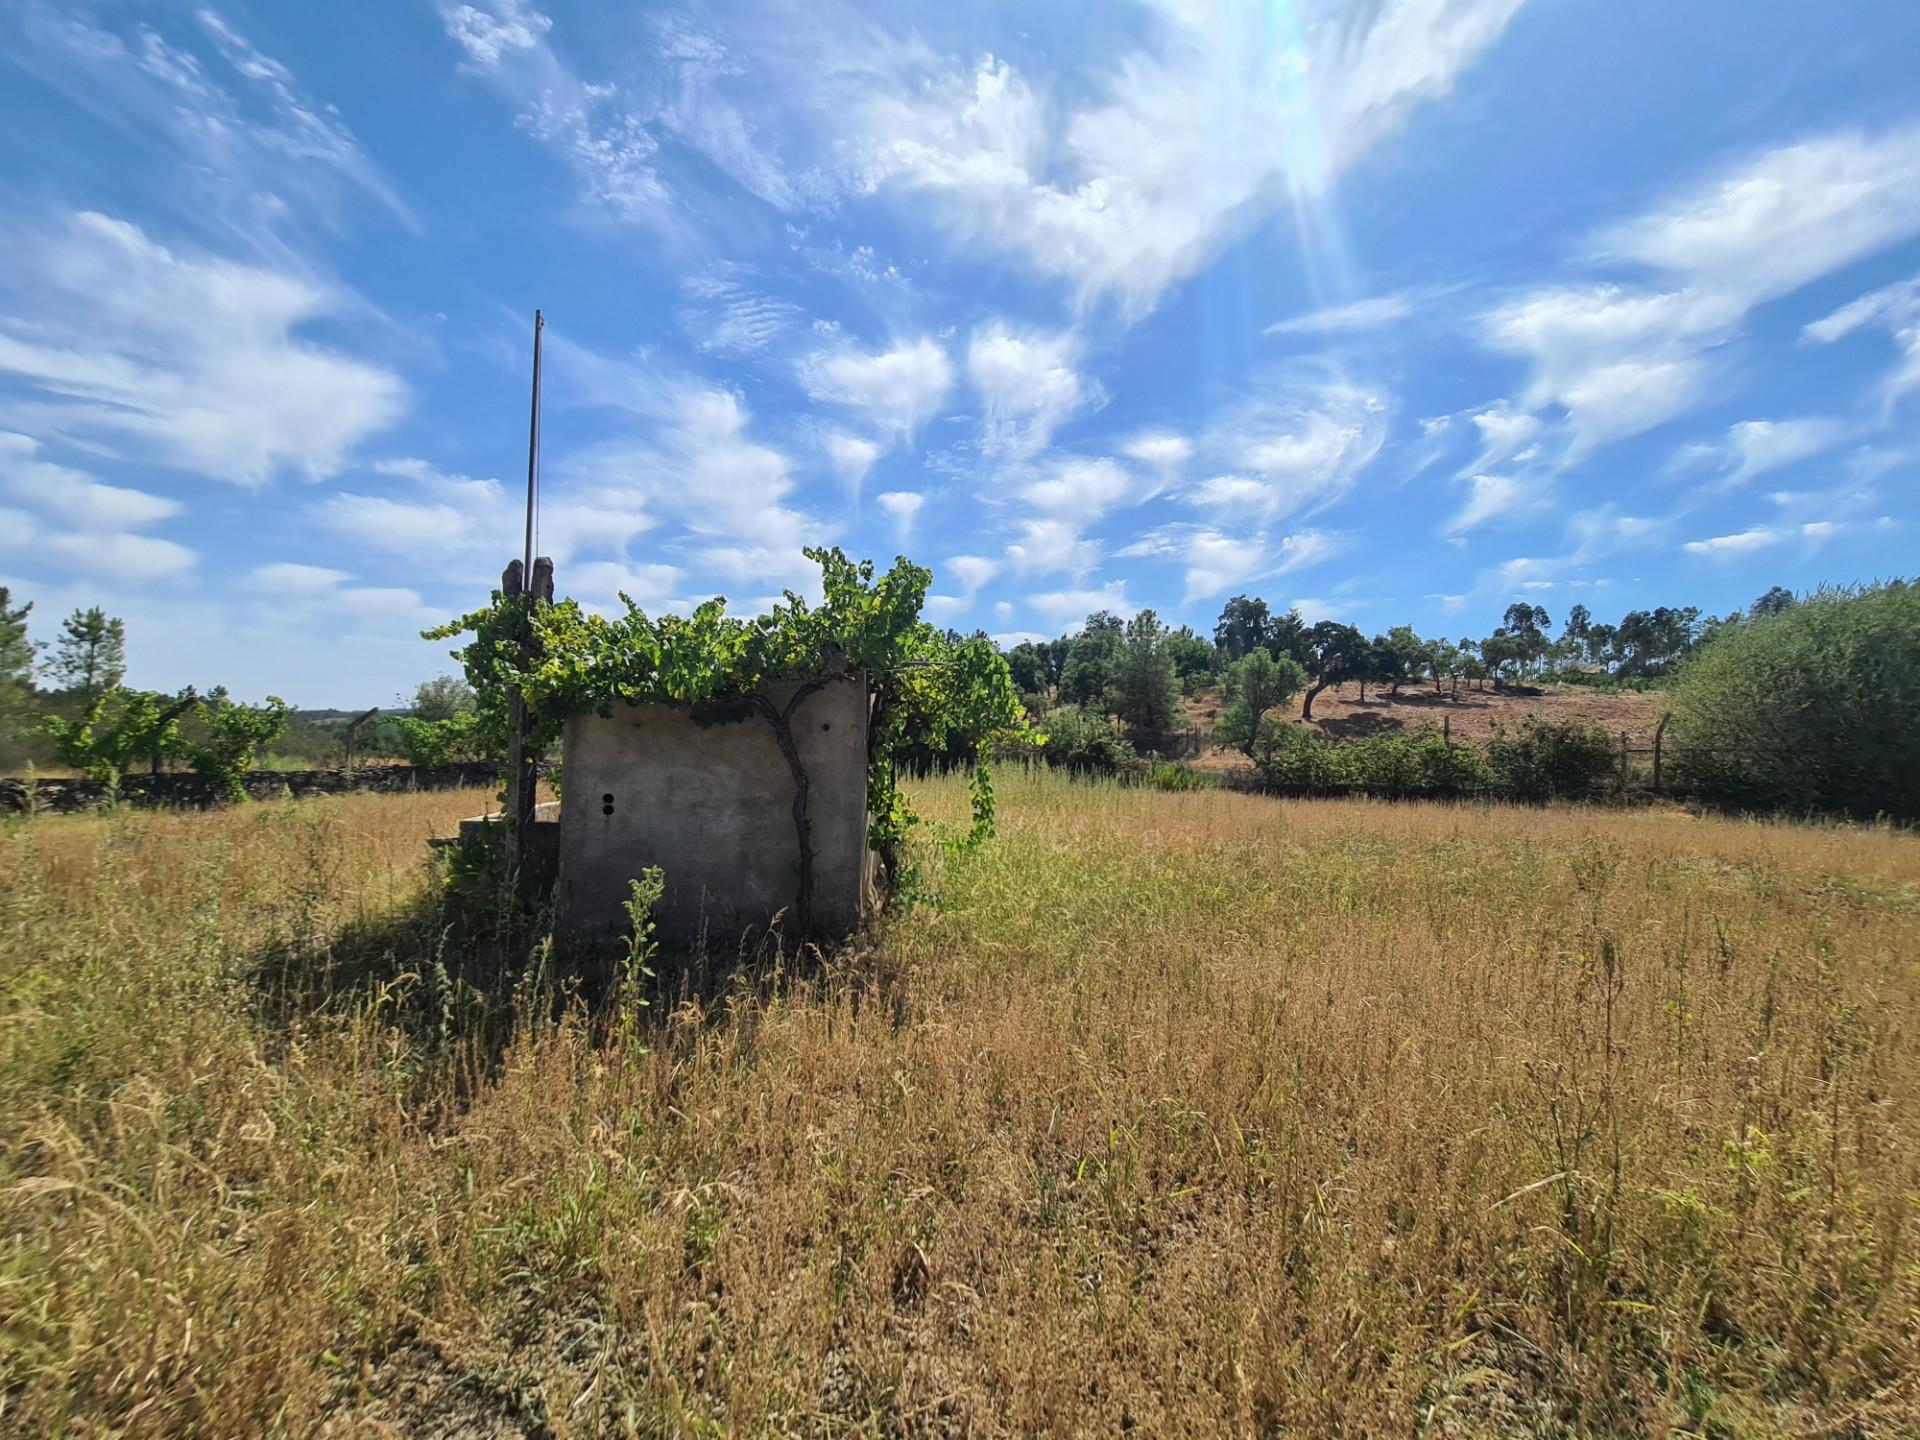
1446, 730
1623, 760
353, 725
1659, 735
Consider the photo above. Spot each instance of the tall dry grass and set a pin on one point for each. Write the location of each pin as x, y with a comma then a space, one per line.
1185, 1114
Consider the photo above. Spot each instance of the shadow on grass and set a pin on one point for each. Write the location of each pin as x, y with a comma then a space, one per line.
448, 981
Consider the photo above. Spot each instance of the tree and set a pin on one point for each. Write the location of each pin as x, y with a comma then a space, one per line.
1087, 671
1335, 652
1776, 601
1579, 622
16, 650
1244, 625
1144, 688
1027, 663
117, 726
1289, 637
16, 662
442, 698
1811, 709
91, 654
227, 737
1400, 655
1259, 683
449, 741
1195, 658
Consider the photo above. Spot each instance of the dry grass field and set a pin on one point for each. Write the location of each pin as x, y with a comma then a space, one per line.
1189, 1114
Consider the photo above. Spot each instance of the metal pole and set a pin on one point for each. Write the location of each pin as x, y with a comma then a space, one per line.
1623, 759
1659, 736
520, 782
533, 451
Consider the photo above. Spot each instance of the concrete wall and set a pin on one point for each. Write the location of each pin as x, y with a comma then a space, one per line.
713, 807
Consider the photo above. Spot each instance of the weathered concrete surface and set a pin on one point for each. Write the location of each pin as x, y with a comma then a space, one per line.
540, 863
178, 790
713, 807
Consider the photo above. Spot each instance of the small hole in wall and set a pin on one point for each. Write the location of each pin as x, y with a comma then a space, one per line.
828, 725
606, 804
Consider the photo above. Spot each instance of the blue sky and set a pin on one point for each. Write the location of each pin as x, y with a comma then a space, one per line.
1396, 311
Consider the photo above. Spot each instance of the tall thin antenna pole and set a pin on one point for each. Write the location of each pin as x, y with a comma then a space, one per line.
533, 450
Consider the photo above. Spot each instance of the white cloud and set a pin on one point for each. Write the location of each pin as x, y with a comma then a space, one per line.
1163, 452
1076, 489
73, 497
289, 578
131, 559
1762, 537
488, 35
904, 506
1068, 609
1622, 359
1188, 141
1028, 386
1897, 309
1502, 498
1789, 215
1216, 561
1504, 434
1618, 361
1372, 313
600, 583
600, 131
83, 526
1756, 447
1295, 454
1053, 547
971, 571
464, 530
188, 361
1314, 608
851, 456
895, 390
726, 316
239, 148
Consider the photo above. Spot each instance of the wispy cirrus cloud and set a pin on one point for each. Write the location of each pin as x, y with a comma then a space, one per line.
245, 149
1184, 143
83, 526
1621, 357
187, 360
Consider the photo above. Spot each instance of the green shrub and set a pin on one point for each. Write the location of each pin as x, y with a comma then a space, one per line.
1809, 709
448, 741
1085, 742
1165, 775
1288, 756
1545, 760
1550, 760
1449, 769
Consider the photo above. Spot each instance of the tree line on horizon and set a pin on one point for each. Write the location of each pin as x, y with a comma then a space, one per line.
1137, 669
1802, 703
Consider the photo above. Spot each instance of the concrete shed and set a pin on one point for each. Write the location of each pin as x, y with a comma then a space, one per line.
713, 807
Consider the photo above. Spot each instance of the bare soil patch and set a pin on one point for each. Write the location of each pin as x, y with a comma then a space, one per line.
1340, 714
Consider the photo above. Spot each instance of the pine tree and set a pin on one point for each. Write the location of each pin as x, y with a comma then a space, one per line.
1144, 688
16, 650
91, 654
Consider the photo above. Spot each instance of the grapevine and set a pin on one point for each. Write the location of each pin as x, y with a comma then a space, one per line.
928, 692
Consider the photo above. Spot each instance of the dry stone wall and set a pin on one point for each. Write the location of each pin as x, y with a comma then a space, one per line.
195, 792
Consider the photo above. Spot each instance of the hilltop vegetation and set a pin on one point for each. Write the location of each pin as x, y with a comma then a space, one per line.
1181, 1113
